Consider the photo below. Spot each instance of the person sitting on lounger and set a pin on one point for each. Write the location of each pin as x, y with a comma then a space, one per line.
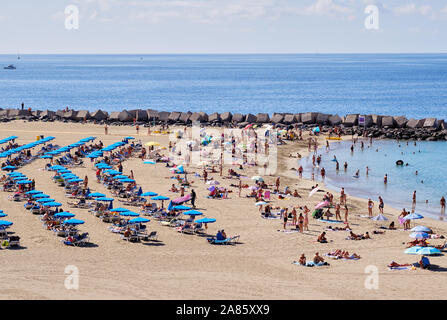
127, 233
173, 188
219, 236
322, 238
424, 263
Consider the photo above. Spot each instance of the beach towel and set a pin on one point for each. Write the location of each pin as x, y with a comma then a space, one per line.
311, 264
289, 231
270, 217
402, 268
330, 221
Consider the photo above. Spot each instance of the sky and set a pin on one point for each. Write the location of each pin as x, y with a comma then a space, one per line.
223, 26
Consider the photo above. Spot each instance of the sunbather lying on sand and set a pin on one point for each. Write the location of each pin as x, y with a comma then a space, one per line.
342, 254
330, 228
420, 243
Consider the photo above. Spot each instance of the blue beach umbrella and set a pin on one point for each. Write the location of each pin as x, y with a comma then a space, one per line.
206, 220
413, 216
181, 207
139, 220
75, 180
120, 176
160, 198
39, 196
4, 223
24, 182
73, 221
43, 200
34, 192
193, 213
420, 235
412, 250
52, 204
127, 180
104, 199
119, 210
9, 168
129, 214
97, 195
421, 229
64, 215
428, 251
149, 194
2, 215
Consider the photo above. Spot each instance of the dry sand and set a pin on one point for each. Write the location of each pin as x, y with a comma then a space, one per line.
187, 267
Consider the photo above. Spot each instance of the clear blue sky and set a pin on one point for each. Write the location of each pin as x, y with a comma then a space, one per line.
223, 26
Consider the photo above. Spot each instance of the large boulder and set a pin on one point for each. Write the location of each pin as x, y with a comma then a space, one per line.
114, 116
322, 118
60, 113
400, 121
335, 120
250, 118
289, 119
16, 113
238, 118
152, 115
388, 121
36, 113
429, 123
226, 117
139, 115
298, 117
174, 117
367, 121
204, 116
99, 115
377, 120
278, 118
197, 117
47, 114
4, 113
70, 115
214, 118
126, 116
415, 123
163, 116
262, 118
351, 120
184, 117
309, 117
82, 115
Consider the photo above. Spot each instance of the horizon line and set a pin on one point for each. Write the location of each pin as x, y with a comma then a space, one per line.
218, 53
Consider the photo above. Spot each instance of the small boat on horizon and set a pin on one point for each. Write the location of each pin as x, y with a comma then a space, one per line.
10, 67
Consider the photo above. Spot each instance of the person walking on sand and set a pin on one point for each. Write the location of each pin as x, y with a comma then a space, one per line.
106, 130
337, 212
85, 182
381, 205
442, 202
138, 129
385, 178
301, 223
193, 198
306, 218
277, 183
370, 207
346, 214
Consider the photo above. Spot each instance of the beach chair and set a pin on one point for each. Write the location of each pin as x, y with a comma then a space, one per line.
14, 241
152, 236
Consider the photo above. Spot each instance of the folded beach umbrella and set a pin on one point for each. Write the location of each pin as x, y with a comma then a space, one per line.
104, 199
412, 250
73, 221
206, 220
428, 251
421, 229
129, 214
64, 215
420, 235
193, 213
97, 195
139, 220
119, 210
149, 194
4, 223
379, 217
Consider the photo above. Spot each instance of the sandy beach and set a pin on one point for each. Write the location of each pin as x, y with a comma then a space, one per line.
181, 266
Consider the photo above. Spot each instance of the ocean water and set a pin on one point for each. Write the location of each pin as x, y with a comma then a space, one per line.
397, 84
428, 158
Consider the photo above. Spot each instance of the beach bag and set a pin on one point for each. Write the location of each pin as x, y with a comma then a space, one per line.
5, 243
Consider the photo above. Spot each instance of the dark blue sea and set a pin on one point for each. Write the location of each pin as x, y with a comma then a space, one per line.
414, 85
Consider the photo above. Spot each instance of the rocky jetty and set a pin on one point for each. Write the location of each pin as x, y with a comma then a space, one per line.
376, 126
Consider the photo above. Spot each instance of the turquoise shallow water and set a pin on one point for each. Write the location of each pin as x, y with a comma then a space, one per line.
428, 158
